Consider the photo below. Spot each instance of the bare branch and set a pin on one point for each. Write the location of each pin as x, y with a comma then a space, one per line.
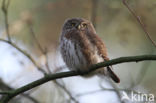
55, 76
101, 90
8, 90
117, 91
4, 93
108, 89
5, 5
139, 21
47, 63
144, 68
35, 38
94, 12
30, 98
24, 53
59, 68
44, 51
66, 90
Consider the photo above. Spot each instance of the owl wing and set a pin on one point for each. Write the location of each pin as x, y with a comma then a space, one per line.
103, 53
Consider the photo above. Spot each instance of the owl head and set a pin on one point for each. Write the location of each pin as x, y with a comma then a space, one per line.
77, 24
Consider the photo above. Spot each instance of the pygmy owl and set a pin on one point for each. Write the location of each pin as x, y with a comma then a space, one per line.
81, 47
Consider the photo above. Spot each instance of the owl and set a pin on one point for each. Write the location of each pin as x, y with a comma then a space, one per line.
81, 47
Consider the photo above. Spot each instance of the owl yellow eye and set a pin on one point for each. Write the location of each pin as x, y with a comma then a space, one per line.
73, 24
84, 25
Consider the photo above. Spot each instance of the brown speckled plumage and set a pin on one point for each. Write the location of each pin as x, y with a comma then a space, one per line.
81, 47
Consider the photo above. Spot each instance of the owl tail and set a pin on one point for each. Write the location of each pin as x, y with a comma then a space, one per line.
113, 76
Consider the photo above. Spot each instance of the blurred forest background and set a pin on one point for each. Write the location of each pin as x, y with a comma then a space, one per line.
117, 27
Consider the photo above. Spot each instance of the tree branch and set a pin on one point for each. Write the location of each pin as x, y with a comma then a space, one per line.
5, 6
94, 12
105, 89
7, 90
139, 21
4, 93
44, 52
66, 91
55, 76
24, 53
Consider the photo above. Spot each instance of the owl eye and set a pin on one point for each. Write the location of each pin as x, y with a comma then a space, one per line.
84, 25
73, 24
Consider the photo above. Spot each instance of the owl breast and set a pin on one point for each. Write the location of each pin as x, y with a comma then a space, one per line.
72, 55
74, 58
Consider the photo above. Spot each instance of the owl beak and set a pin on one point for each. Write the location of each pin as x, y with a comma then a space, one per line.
79, 26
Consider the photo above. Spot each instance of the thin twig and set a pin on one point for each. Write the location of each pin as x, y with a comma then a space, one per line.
101, 90
94, 12
30, 98
24, 53
47, 63
43, 51
35, 38
8, 90
116, 90
144, 68
5, 5
139, 21
55, 76
59, 68
66, 90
